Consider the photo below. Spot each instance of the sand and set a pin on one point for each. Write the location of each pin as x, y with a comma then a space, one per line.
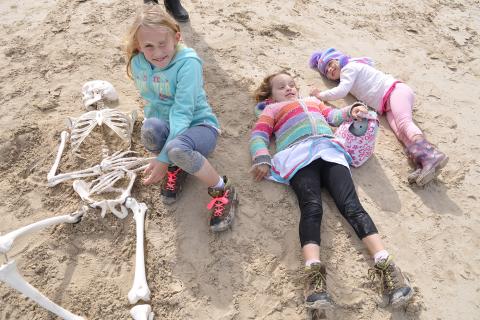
50, 48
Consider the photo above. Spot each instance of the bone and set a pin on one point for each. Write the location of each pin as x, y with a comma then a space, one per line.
140, 288
62, 177
142, 312
10, 275
7, 240
61, 147
97, 90
84, 190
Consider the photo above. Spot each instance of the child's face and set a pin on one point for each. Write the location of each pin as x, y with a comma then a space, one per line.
333, 70
283, 88
157, 44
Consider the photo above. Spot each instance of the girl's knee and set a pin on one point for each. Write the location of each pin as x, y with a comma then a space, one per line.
187, 159
154, 133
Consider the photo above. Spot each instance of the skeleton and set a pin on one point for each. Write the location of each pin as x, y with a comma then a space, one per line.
120, 123
140, 288
142, 312
105, 184
6, 241
96, 90
10, 275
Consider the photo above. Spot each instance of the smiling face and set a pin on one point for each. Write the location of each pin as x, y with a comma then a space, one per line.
333, 70
158, 44
283, 88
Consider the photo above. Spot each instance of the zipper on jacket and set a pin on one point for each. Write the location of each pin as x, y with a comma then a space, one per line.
312, 121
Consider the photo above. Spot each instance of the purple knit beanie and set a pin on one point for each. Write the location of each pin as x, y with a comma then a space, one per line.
320, 59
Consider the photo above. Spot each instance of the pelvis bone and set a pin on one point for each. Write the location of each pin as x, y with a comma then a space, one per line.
105, 184
97, 90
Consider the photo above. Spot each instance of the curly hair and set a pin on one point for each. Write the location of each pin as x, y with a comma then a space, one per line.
264, 90
150, 16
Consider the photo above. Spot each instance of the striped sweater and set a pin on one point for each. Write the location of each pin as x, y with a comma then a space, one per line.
290, 122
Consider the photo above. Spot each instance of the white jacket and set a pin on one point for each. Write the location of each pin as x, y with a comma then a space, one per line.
363, 81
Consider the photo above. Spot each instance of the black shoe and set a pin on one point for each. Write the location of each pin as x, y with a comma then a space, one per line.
175, 8
172, 185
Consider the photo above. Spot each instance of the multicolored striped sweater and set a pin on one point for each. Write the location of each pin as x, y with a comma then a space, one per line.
293, 121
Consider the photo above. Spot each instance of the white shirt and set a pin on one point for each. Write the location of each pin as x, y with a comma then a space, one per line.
364, 82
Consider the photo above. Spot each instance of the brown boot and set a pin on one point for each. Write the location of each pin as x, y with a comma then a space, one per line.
316, 296
223, 206
394, 284
429, 158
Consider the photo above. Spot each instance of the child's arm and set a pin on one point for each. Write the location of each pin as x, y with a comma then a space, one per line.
189, 82
260, 138
335, 116
347, 78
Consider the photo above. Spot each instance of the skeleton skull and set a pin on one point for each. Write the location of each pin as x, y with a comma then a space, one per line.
96, 90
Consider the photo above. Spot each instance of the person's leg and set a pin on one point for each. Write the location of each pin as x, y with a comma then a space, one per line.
339, 183
189, 151
176, 10
307, 186
399, 114
427, 159
154, 134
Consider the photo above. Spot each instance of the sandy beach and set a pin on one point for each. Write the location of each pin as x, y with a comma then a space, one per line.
50, 48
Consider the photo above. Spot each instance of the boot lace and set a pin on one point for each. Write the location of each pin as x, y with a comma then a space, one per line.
384, 272
218, 204
172, 179
317, 279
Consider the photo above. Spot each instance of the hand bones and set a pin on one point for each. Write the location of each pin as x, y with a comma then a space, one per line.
6, 241
9, 274
96, 90
142, 312
140, 288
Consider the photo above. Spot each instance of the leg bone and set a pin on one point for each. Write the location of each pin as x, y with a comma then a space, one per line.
140, 288
142, 312
9, 274
6, 241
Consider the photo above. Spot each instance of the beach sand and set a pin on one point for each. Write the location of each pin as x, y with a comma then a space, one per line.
50, 48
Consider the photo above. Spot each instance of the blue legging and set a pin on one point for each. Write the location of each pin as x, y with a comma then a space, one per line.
187, 150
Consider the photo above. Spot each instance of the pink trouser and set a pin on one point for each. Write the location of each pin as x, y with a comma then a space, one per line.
398, 111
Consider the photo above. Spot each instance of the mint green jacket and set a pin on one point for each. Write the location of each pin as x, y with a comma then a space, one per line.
174, 93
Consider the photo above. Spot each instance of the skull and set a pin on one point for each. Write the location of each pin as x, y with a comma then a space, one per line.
96, 90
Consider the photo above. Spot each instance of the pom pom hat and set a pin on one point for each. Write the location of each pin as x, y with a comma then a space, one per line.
320, 59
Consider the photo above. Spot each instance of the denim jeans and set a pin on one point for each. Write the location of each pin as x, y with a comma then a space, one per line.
187, 150
307, 184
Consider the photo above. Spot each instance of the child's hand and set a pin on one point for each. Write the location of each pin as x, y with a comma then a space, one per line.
155, 172
259, 172
315, 93
357, 112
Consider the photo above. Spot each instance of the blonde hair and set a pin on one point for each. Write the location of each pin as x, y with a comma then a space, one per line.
151, 15
264, 90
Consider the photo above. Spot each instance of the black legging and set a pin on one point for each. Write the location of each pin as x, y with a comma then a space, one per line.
307, 184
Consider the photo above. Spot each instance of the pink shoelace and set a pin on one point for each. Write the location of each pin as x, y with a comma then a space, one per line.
218, 203
172, 179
